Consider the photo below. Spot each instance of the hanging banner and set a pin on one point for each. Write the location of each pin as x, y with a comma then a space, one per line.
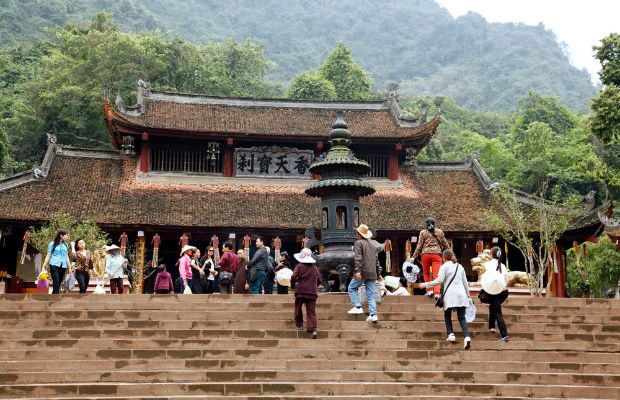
215, 242
407, 250
22, 257
247, 242
155, 243
506, 256
277, 245
273, 162
388, 256
123, 244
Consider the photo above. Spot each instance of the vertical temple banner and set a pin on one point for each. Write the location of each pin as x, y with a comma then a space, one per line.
273, 162
139, 265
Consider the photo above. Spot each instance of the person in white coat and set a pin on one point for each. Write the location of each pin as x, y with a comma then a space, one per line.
496, 300
455, 295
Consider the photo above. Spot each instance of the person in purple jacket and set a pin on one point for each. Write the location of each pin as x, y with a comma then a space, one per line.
163, 281
305, 280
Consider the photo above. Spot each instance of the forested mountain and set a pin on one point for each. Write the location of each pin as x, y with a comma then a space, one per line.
416, 43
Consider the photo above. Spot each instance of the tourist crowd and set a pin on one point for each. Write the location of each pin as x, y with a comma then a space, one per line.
234, 273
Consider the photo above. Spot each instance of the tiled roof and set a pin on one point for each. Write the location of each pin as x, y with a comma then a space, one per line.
272, 118
105, 189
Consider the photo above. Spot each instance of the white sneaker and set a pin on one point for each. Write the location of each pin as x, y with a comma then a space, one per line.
467, 343
356, 310
372, 318
451, 338
429, 294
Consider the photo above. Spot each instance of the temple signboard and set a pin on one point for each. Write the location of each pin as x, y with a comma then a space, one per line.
273, 162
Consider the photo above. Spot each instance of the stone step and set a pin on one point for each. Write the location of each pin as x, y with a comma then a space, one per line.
224, 314
449, 352
310, 397
194, 346
378, 365
414, 306
326, 388
355, 323
286, 376
353, 334
216, 346
544, 303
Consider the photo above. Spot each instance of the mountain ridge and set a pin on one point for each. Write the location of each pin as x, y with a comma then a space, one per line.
418, 43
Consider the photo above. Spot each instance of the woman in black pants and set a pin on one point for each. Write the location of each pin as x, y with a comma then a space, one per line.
58, 259
284, 263
455, 292
83, 264
496, 300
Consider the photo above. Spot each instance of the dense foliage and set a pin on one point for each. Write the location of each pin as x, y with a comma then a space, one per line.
86, 230
57, 86
597, 272
416, 43
338, 74
311, 85
350, 80
541, 142
606, 121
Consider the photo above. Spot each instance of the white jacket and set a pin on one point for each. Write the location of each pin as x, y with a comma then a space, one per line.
457, 294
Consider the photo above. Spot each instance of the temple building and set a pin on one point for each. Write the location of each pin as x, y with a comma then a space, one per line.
200, 167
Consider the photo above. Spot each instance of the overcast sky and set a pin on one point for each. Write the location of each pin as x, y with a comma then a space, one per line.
581, 24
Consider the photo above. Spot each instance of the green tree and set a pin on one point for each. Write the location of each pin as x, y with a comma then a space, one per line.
496, 159
608, 53
94, 237
605, 122
536, 108
517, 222
349, 79
62, 91
598, 270
311, 86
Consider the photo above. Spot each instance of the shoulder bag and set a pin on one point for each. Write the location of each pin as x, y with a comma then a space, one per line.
439, 300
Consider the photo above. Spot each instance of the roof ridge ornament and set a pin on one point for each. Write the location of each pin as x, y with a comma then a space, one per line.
393, 90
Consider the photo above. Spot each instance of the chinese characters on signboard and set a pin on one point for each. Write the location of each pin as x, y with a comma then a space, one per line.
273, 162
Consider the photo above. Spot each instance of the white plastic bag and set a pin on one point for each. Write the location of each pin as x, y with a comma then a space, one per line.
470, 312
187, 290
99, 289
69, 281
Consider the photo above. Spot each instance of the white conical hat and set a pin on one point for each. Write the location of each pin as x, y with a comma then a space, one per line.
493, 282
283, 276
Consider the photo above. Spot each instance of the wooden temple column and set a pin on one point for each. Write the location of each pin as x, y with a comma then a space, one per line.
138, 284
393, 166
228, 158
145, 153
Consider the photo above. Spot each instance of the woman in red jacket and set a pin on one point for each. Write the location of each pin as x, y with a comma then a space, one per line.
305, 280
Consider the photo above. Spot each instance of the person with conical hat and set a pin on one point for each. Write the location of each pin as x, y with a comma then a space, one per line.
367, 271
305, 280
114, 265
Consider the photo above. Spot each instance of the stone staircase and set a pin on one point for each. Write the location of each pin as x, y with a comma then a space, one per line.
243, 346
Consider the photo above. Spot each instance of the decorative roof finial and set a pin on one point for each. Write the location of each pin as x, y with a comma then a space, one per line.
340, 134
